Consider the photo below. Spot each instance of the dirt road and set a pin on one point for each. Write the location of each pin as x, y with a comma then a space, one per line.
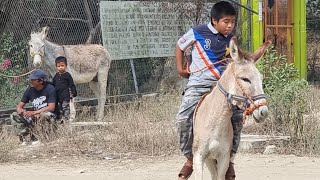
248, 167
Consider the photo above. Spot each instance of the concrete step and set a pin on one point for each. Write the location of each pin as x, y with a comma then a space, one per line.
258, 143
77, 126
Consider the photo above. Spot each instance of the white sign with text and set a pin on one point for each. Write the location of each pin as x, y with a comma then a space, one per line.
135, 29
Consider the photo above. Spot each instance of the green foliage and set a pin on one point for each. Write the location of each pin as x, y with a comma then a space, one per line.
286, 92
11, 63
313, 15
148, 72
313, 8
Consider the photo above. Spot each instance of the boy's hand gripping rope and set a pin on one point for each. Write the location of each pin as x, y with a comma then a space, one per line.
187, 63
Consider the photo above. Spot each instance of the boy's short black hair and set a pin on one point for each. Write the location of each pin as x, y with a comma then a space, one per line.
61, 59
221, 9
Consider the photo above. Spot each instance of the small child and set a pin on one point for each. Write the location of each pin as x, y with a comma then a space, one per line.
64, 85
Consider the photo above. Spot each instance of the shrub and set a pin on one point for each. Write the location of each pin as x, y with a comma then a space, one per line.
7, 147
286, 93
12, 62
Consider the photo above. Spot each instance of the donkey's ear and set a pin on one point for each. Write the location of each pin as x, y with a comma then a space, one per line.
44, 31
260, 52
235, 51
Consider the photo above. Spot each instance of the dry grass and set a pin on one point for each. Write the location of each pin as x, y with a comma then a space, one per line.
7, 147
308, 141
147, 127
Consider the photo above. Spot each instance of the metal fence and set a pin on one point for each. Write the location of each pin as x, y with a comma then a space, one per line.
313, 49
76, 22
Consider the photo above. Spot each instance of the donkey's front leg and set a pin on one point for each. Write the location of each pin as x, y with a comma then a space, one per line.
198, 162
212, 167
223, 165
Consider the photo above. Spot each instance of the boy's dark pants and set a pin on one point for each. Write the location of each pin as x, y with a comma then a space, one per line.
22, 129
184, 118
65, 108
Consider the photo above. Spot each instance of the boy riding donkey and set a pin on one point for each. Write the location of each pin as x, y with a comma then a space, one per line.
209, 44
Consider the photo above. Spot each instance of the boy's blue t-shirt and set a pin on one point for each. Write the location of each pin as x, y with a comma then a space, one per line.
208, 46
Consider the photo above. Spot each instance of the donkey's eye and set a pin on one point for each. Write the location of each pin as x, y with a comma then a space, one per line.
30, 45
245, 80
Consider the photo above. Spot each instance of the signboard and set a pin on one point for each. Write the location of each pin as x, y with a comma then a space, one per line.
134, 29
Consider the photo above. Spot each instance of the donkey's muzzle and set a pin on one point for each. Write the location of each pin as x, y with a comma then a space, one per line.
37, 61
260, 114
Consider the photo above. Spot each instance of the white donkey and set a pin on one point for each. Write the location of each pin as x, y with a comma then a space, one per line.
86, 63
240, 84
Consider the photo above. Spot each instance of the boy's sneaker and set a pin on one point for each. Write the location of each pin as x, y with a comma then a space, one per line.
35, 143
34, 140
24, 143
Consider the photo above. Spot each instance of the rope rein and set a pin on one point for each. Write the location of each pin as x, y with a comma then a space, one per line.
32, 54
206, 67
16, 76
187, 63
249, 110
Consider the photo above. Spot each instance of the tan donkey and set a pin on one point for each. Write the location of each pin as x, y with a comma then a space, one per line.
241, 85
86, 63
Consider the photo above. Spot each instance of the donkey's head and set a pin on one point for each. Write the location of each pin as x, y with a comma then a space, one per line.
36, 46
246, 89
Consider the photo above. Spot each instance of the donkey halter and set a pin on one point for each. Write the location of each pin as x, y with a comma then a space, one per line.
249, 101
